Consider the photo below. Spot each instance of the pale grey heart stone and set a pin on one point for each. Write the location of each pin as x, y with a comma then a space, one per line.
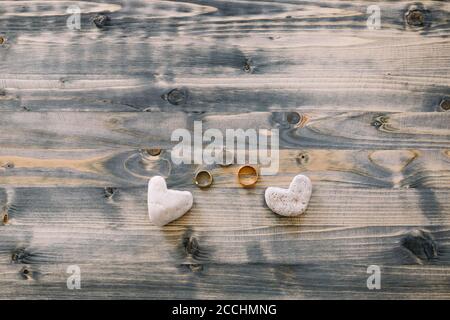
292, 201
164, 205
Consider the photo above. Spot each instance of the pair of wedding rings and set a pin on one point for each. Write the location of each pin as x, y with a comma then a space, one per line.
247, 177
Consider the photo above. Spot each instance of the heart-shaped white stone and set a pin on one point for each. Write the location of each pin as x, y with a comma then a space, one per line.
164, 205
292, 201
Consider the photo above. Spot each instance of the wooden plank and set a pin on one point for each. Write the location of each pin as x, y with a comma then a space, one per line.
127, 207
367, 77
218, 16
49, 228
314, 129
67, 240
412, 168
255, 281
246, 55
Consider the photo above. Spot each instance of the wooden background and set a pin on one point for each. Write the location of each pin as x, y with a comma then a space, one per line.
362, 112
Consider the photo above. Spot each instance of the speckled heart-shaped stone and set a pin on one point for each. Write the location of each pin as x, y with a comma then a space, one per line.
164, 205
292, 201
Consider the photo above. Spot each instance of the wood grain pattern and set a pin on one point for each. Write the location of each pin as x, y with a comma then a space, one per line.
80, 109
383, 73
301, 54
399, 169
114, 233
257, 281
93, 130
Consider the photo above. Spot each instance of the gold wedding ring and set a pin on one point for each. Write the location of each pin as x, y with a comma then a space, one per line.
248, 176
203, 179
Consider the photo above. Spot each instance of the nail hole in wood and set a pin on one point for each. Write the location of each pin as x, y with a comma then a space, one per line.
8, 165
302, 158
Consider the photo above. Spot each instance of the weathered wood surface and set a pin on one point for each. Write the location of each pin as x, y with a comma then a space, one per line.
398, 169
86, 130
301, 54
112, 232
79, 109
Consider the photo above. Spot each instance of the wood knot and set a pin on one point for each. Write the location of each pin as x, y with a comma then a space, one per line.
154, 152
5, 214
8, 165
421, 244
302, 158
195, 268
101, 20
175, 96
191, 246
445, 104
293, 117
110, 192
20, 256
382, 124
5, 218
296, 119
26, 273
378, 122
416, 17
248, 67
2, 40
